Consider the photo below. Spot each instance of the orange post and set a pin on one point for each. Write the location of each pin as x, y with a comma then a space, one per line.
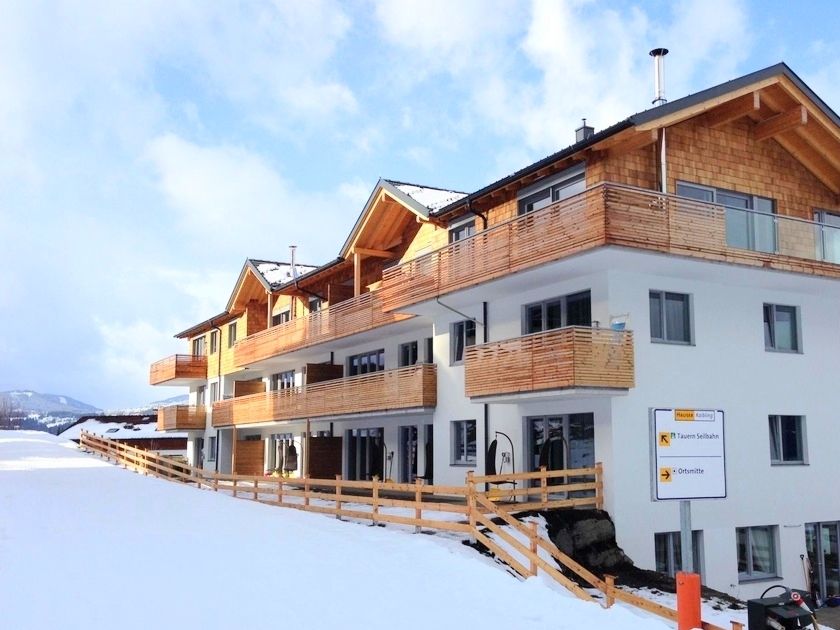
688, 601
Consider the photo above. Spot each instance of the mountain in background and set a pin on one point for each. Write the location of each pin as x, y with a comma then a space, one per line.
29, 402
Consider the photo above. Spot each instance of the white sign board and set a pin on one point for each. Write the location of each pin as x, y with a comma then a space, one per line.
690, 461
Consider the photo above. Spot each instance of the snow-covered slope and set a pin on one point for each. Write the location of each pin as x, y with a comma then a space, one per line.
135, 552
30, 402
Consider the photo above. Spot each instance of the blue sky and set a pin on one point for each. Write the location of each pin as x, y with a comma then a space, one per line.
148, 148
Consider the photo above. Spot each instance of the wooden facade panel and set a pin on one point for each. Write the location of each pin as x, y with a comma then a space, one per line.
246, 388
249, 457
324, 457
320, 372
403, 388
178, 366
556, 359
180, 418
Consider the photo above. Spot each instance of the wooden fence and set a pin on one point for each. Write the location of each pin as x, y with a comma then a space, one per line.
473, 512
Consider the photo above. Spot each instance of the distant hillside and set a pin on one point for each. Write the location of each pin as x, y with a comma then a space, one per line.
183, 399
29, 402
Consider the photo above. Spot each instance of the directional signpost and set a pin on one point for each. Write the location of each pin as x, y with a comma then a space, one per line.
689, 462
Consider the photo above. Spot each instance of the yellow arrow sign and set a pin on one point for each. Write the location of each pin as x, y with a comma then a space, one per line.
665, 475
664, 438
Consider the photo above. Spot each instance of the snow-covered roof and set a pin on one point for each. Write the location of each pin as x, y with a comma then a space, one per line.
277, 273
120, 430
432, 198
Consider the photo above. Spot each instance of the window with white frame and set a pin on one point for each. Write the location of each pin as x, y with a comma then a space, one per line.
828, 235
669, 552
566, 310
787, 439
281, 317
464, 442
211, 448
231, 334
282, 380
198, 346
462, 230
214, 392
756, 553
408, 354
781, 328
199, 395
366, 362
750, 219
214, 341
670, 317
570, 182
462, 337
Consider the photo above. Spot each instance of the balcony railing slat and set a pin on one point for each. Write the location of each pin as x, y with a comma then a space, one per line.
181, 418
403, 388
556, 359
185, 366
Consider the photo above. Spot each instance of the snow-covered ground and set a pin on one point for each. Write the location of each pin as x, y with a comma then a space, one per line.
85, 544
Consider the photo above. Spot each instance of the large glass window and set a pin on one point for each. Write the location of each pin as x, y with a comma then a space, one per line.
567, 310
787, 439
756, 552
463, 336
670, 317
282, 380
781, 328
571, 183
408, 354
669, 552
828, 236
231, 334
366, 362
463, 442
750, 219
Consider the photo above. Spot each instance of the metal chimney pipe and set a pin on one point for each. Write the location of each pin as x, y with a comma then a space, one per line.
292, 249
658, 55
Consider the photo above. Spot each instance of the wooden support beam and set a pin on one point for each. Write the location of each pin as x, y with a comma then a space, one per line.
306, 453
376, 253
633, 143
811, 159
780, 123
233, 452
733, 110
357, 274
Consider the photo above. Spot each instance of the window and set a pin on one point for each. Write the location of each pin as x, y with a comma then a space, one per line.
198, 347
315, 304
461, 231
567, 310
669, 552
366, 362
463, 442
199, 395
282, 380
670, 317
231, 334
828, 236
787, 440
781, 330
112, 430
408, 354
463, 336
214, 392
756, 553
430, 353
570, 182
211, 449
281, 318
750, 219
214, 341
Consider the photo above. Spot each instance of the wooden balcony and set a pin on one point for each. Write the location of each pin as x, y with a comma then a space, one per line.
179, 369
614, 214
180, 418
346, 318
403, 388
564, 358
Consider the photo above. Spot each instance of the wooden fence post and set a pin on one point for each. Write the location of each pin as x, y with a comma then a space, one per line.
418, 500
375, 492
215, 481
610, 580
543, 485
306, 491
338, 497
471, 504
234, 485
256, 488
279, 490
532, 538
599, 486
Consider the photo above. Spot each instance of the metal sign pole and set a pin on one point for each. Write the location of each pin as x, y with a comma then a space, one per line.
686, 548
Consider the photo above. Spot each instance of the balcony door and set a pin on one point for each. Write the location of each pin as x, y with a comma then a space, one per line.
365, 454
408, 454
561, 442
828, 236
822, 542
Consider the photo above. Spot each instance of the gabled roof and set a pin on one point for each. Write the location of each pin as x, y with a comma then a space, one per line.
781, 91
271, 275
419, 200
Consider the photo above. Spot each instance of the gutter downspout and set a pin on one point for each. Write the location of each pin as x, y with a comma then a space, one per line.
481, 216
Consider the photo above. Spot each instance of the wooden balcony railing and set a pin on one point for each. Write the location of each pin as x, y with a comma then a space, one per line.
349, 317
179, 367
614, 214
403, 388
557, 359
180, 418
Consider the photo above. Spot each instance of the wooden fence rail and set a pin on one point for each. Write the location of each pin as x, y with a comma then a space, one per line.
480, 515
